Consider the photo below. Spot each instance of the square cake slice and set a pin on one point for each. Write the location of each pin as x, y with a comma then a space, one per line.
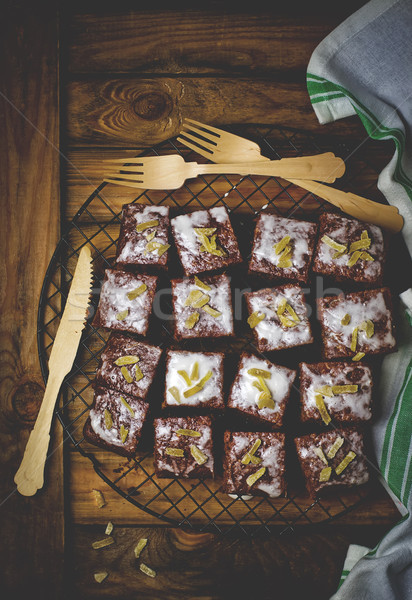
183, 447
337, 391
332, 459
194, 379
278, 317
116, 421
282, 248
356, 324
128, 365
202, 307
261, 389
205, 240
144, 236
125, 302
348, 249
254, 464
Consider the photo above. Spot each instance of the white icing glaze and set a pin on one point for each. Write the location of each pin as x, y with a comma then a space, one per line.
184, 361
273, 230
358, 403
270, 327
220, 299
360, 310
135, 247
114, 300
244, 394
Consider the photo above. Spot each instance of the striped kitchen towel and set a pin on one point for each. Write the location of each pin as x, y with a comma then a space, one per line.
364, 68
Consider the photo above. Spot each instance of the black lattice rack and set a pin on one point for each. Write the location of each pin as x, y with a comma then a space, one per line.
197, 505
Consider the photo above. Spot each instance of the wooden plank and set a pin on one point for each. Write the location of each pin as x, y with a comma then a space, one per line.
145, 111
207, 567
208, 42
376, 509
31, 552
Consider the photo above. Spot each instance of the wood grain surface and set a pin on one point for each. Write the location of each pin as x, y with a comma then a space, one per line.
31, 554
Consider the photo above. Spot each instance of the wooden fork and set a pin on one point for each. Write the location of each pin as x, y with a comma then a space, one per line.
218, 145
171, 171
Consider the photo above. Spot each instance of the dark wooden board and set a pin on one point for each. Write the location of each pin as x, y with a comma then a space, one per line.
31, 547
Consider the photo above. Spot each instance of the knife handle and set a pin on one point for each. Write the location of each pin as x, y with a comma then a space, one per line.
30, 475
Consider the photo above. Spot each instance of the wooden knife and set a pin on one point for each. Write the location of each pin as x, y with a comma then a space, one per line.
30, 476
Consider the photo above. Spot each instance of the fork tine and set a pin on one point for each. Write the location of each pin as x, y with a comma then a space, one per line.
207, 128
197, 149
202, 143
122, 170
132, 184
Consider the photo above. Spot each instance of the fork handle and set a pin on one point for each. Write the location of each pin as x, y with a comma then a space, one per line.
383, 215
30, 475
325, 167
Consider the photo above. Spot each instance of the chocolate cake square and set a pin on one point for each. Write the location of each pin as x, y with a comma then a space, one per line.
183, 447
205, 240
282, 248
128, 365
349, 250
278, 317
254, 464
144, 236
332, 459
356, 324
116, 421
202, 307
194, 379
125, 302
261, 389
337, 391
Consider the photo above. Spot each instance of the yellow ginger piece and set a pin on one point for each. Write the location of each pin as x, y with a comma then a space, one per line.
368, 327
108, 419
199, 385
280, 246
325, 474
345, 462
211, 311
109, 528
255, 318
137, 292
204, 299
361, 244
252, 479
122, 315
325, 390
346, 319
207, 231
163, 248
250, 454
198, 455
202, 285
175, 393
100, 576
183, 374
354, 258
147, 225
126, 375
127, 405
150, 236
367, 256
288, 321
175, 452
188, 432
320, 404
320, 454
194, 374
147, 570
358, 356
152, 246
341, 249
265, 400
364, 235
345, 389
259, 373
103, 543
140, 546
193, 296
99, 498
192, 320
354, 340
138, 373
335, 447
126, 360
208, 243
123, 433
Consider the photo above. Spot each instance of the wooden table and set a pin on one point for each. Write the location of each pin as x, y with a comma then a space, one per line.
77, 85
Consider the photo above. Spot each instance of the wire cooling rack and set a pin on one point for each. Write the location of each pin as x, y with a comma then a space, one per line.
197, 504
